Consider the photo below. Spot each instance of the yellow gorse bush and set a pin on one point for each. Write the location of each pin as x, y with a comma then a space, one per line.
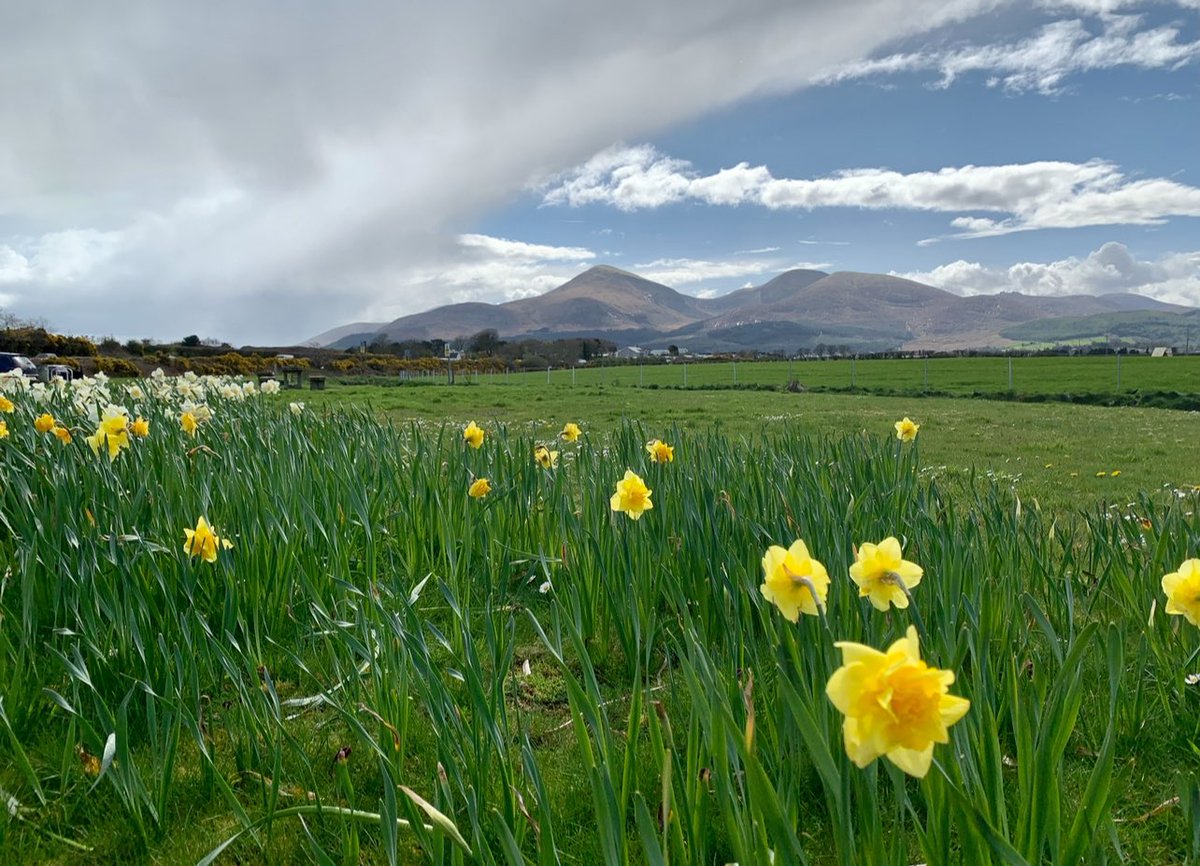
895, 705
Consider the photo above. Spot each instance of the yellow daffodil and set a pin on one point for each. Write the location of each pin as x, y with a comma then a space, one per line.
546, 458
906, 429
140, 428
659, 451
473, 435
1115, 473
113, 432
882, 575
1183, 591
480, 488
894, 704
204, 542
3, 429
6, 405
790, 579
63, 435
570, 432
189, 423
632, 496
44, 423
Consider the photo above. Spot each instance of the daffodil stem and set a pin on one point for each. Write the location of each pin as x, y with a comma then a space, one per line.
915, 612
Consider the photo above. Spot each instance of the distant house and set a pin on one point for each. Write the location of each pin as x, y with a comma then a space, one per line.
630, 352
1162, 352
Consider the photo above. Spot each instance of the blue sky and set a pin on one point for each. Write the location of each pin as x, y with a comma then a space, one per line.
260, 174
1143, 118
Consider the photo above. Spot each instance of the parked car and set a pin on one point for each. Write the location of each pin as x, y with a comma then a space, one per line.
10, 361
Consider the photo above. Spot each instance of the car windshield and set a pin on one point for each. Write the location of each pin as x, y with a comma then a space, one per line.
23, 363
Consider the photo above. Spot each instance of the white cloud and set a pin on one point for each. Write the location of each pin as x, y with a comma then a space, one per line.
503, 248
356, 139
1174, 277
684, 271
1027, 196
488, 269
1042, 62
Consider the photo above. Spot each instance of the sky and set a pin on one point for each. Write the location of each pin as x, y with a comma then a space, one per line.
259, 172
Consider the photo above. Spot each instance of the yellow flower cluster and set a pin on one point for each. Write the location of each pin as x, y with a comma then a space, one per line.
894, 704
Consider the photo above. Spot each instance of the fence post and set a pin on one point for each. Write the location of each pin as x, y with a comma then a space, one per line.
685, 374
1010, 378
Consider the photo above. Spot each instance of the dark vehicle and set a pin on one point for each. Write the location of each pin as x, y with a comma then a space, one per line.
10, 362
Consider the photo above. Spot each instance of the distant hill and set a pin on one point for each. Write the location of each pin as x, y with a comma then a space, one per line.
797, 309
335, 336
1142, 326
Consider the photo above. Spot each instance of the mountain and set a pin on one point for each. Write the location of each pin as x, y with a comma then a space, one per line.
601, 299
1140, 326
335, 336
797, 309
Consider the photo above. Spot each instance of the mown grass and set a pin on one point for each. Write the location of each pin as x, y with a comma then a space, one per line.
1051, 375
668, 711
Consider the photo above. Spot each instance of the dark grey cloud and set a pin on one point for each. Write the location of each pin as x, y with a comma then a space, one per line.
261, 171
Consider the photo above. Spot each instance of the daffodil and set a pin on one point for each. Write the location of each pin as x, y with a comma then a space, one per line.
790, 579
140, 428
570, 432
632, 496
204, 542
479, 488
906, 429
882, 575
63, 435
1183, 591
473, 435
895, 705
6, 405
3, 429
296, 408
44, 423
545, 458
113, 432
189, 423
659, 451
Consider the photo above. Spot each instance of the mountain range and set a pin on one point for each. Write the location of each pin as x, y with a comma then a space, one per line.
796, 310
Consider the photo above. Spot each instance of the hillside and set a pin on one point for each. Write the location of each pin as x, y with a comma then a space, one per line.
1140, 326
796, 310
600, 300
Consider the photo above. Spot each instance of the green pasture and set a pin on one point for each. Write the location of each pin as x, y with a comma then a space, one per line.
1084, 374
384, 670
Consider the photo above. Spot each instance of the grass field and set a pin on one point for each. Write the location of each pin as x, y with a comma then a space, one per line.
1093, 374
383, 669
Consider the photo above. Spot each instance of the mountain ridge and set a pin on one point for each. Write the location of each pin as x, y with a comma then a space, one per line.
870, 312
